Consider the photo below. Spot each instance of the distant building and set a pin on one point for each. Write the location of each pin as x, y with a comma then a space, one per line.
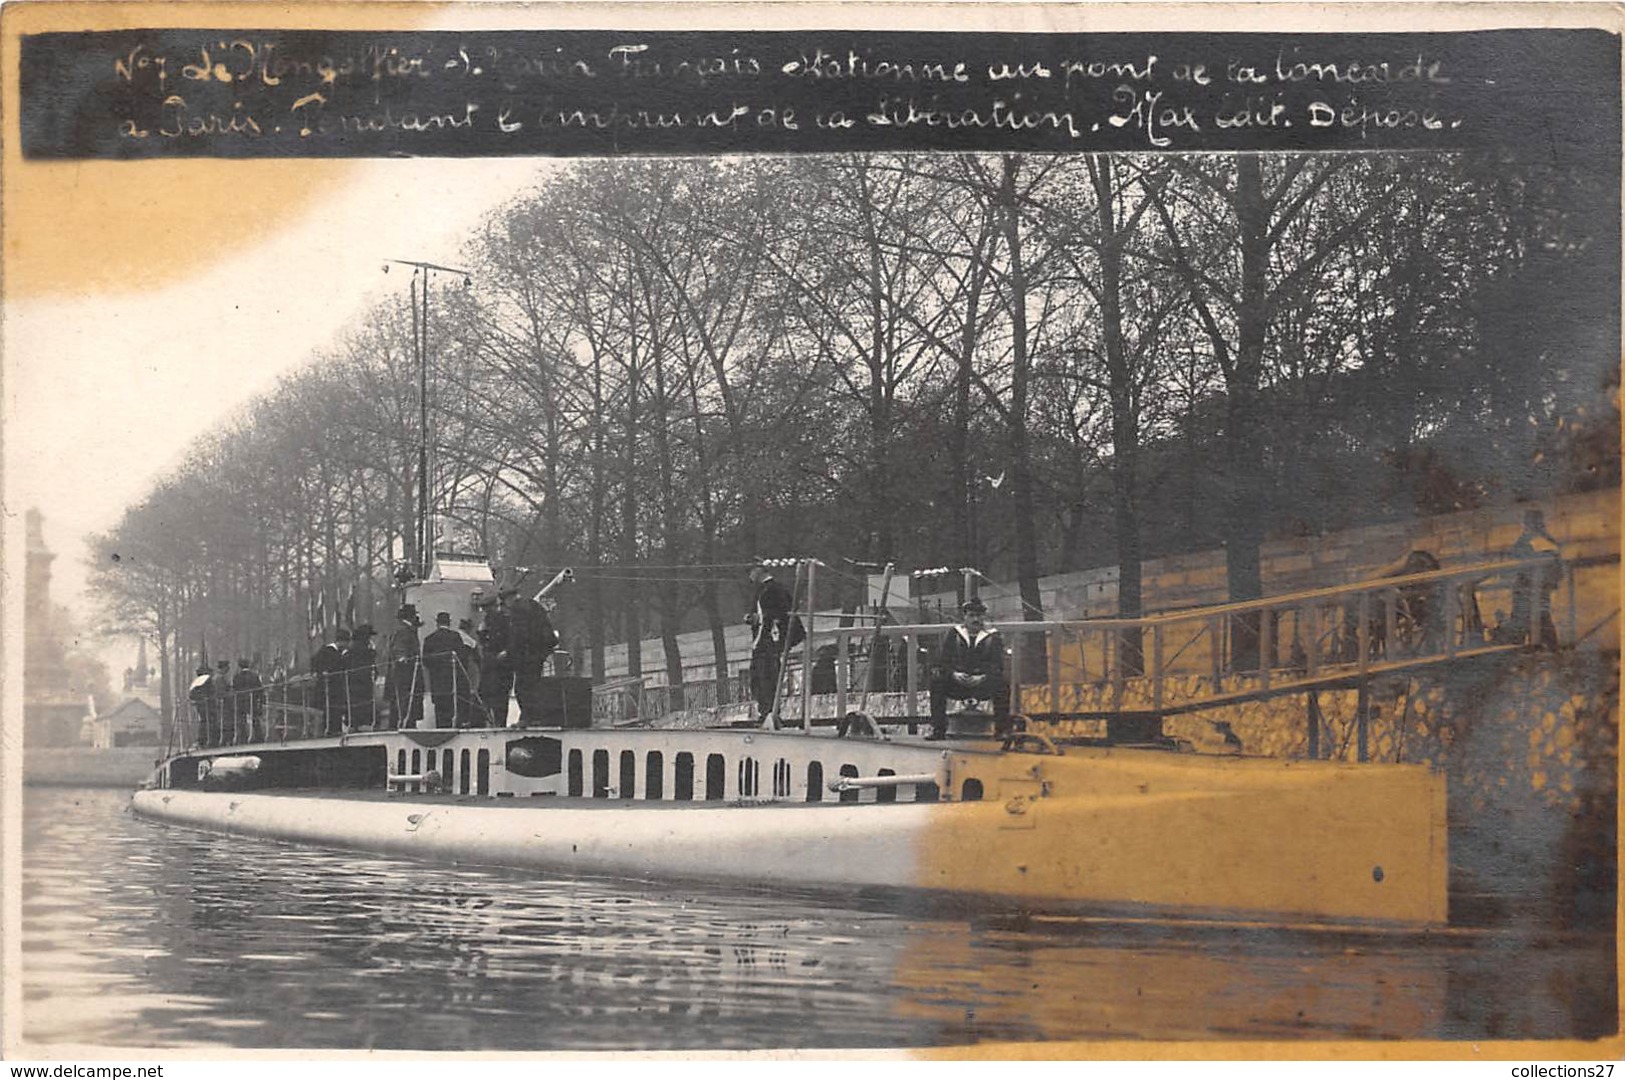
133, 723
54, 712
138, 681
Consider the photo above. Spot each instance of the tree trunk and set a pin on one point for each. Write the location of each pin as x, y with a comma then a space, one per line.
597, 509
881, 538
709, 601
1125, 415
1021, 482
631, 612
660, 420
166, 691
1244, 456
962, 468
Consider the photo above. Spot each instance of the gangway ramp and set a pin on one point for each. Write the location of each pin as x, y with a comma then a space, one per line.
1134, 670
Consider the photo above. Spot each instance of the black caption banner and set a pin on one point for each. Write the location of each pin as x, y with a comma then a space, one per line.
278, 93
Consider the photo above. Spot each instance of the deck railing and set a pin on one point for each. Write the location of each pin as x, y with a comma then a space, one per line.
308, 705
1155, 665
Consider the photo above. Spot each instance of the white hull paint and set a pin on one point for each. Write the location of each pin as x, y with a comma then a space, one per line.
837, 845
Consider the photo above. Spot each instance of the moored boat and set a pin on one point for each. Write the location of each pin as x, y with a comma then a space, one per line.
1132, 822
1148, 831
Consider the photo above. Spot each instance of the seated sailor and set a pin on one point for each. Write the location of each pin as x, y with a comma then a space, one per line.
970, 668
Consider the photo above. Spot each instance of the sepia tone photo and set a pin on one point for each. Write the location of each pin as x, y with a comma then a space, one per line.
989, 532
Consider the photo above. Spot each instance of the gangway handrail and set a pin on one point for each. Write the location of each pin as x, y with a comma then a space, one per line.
1379, 628
1368, 638
1604, 621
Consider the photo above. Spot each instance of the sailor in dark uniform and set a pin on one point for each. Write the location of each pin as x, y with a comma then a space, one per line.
496, 665
970, 668
403, 686
445, 661
328, 666
220, 700
359, 658
770, 620
248, 701
532, 639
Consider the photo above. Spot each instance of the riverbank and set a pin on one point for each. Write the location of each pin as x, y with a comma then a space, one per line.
80, 766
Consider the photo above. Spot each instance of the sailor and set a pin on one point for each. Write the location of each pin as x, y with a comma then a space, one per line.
465, 630
1531, 621
531, 639
496, 665
221, 699
328, 666
469, 711
403, 684
769, 620
445, 661
824, 675
970, 668
359, 658
1418, 614
198, 694
248, 701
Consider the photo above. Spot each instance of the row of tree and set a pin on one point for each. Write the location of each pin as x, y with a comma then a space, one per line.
659, 369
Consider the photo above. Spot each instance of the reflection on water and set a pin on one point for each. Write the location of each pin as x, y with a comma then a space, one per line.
140, 935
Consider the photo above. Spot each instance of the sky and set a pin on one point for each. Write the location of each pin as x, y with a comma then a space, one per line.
104, 393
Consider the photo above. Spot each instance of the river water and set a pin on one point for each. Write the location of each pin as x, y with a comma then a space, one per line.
140, 935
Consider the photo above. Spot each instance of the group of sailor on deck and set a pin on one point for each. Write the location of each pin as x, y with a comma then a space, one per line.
230, 708
469, 675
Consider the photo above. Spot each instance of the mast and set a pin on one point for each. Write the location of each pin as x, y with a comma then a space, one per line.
420, 526
420, 349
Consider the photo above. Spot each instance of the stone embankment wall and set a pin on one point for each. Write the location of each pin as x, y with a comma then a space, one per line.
1587, 525
1530, 745
1585, 603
